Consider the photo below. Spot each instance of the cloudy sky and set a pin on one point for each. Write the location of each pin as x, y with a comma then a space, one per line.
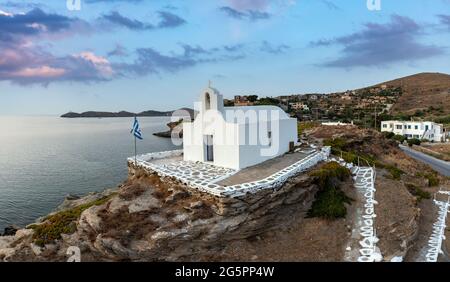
159, 54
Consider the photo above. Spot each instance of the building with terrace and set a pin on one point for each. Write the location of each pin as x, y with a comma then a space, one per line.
233, 151
416, 129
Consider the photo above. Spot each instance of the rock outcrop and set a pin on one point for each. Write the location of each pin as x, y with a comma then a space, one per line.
174, 130
153, 219
10, 230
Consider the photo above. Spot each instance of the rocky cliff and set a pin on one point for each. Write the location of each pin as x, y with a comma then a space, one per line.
174, 129
153, 219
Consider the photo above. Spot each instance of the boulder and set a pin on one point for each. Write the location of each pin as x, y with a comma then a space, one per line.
144, 202
89, 220
71, 197
10, 230
23, 233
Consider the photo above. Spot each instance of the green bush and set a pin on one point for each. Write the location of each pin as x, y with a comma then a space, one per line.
388, 135
419, 113
329, 171
432, 177
338, 148
413, 141
350, 157
399, 138
302, 126
433, 180
403, 117
330, 200
395, 172
445, 120
417, 192
329, 204
336, 143
61, 223
267, 101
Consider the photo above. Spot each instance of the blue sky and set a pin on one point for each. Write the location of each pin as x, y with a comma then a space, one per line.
137, 55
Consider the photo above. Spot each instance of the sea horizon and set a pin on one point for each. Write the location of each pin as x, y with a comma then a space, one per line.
44, 158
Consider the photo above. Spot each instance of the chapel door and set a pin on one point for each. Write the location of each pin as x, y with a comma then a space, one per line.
209, 148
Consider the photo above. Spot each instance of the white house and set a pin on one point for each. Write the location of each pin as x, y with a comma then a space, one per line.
415, 129
236, 137
299, 106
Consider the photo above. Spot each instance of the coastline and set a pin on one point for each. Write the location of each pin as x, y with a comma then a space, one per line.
43, 159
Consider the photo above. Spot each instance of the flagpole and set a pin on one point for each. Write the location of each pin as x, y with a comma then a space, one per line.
135, 152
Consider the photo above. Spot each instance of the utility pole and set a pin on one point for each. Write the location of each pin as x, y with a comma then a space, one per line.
375, 116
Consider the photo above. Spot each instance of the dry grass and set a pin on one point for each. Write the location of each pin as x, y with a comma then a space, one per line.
126, 226
421, 91
133, 191
396, 214
62, 222
203, 212
440, 151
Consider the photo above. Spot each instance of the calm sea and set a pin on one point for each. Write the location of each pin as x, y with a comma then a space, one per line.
43, 159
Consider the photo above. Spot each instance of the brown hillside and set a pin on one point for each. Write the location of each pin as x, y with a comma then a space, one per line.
421, 91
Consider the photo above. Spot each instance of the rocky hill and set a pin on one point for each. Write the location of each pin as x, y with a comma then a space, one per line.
421, 96
149, 113
421, 92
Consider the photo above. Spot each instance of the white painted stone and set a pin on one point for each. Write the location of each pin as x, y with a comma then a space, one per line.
438, 231
204, 177
397, 259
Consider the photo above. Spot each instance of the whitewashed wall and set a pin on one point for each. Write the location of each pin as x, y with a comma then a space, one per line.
251, 154
231, 134
229, 152
226, 150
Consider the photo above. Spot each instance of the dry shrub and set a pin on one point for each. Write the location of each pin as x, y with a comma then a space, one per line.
131, 192
126, 226
203, 212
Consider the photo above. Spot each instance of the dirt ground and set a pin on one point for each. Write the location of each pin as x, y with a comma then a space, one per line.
397, 215
428, 214
447, 242
440, 151
307, 239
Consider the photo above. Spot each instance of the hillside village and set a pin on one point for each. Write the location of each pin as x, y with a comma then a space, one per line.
408, 98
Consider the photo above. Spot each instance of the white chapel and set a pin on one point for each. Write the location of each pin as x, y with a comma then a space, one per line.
236, 137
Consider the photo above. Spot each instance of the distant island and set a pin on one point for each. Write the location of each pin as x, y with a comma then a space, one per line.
150, 113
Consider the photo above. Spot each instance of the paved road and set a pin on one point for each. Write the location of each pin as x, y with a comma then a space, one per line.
438, 165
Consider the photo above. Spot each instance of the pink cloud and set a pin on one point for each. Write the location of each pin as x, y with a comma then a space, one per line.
102, 64
39, 72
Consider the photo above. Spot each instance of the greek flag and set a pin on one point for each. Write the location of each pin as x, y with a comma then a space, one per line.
136, 130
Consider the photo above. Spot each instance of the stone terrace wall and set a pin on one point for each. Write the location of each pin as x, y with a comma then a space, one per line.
270, 183
287, 192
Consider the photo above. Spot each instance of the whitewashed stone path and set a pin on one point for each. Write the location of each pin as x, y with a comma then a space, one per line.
434, 248
362, 246
204, 176
365, 184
